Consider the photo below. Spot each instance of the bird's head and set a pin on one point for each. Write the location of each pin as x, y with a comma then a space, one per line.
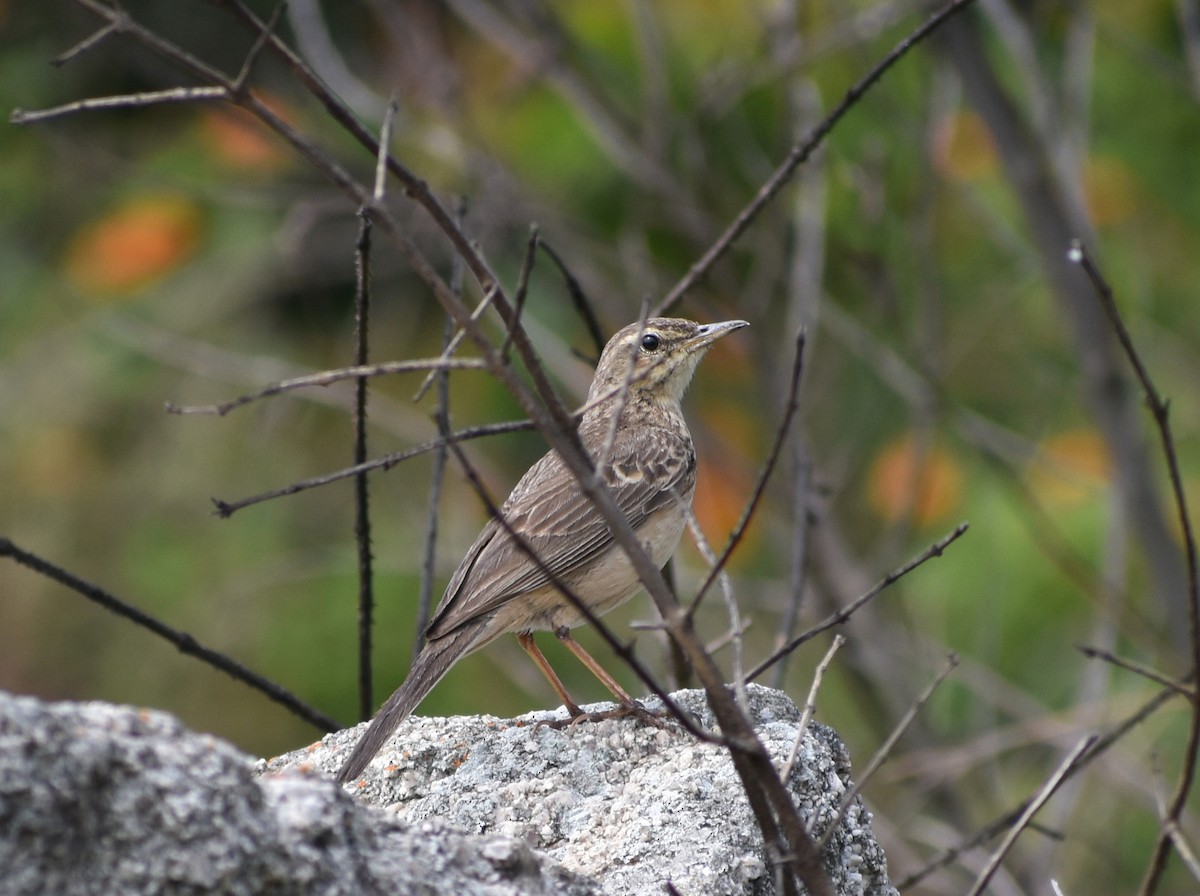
656, 357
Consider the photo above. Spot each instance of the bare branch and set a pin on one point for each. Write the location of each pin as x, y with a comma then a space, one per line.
1184, 848
810, 705
84, 45
800, 154
239, 83
452, 345
326, 378
1005, 821
1048, 789
551, 410
885, 749
124, 101
791, 405
1160, 411
1179, 687
385, 141
362, 516
736, 625
578, 297
183, 642
546, 410
441, 416
841, 616
226, 509
522, 285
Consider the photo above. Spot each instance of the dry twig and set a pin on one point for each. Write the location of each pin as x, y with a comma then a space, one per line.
183, 642
1052, 784
1159, 409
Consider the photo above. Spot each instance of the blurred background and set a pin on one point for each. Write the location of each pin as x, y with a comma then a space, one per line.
957, 365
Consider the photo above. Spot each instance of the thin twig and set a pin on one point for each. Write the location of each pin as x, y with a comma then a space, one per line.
452, 345
885, 749
182, 641
522, 286
578, 298
84, 45
441, 416
715, 645
542, 403
385, 142
226, 509
1048, 789
362, 513
122, 101
1160, 410
243, 75
810, 705
1005, 821
1184, 848
798, 568
1178, 686
736, 626
791, 405
550, 411
126, 25
328, 377
799, 154
841, 616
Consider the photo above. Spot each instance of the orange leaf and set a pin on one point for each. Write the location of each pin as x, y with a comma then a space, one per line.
963, 148
909, 480
1069, 467
55, 462
722, 488
239, 140
139, 242
1110, 188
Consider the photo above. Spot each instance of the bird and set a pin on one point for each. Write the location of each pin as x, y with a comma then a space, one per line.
634, 431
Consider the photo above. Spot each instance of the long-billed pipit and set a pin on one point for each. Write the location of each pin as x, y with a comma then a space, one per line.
634, 431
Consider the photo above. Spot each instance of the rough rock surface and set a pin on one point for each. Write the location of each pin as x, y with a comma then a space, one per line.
99, 799
629, 805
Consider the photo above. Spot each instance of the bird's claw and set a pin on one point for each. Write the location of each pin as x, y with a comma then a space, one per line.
621, 711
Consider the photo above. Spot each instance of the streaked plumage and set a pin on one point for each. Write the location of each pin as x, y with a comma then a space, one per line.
648, 464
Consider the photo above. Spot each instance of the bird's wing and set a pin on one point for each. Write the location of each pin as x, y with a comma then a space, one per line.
648, 469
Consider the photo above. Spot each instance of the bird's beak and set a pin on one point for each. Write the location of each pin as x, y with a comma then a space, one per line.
707, 334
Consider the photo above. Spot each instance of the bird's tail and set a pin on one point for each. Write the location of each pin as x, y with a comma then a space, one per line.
431, 664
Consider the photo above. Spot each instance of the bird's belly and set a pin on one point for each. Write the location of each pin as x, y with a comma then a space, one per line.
605, 584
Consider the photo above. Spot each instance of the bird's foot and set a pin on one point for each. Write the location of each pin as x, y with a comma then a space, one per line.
632, 709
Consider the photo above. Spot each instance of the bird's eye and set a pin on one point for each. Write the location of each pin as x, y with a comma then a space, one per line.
651, 342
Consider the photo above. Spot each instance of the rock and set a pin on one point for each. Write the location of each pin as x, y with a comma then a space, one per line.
626, 804
101, 799
97, 798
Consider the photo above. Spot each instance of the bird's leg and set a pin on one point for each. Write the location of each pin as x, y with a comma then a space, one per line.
564, 635
628, 706
525, 639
